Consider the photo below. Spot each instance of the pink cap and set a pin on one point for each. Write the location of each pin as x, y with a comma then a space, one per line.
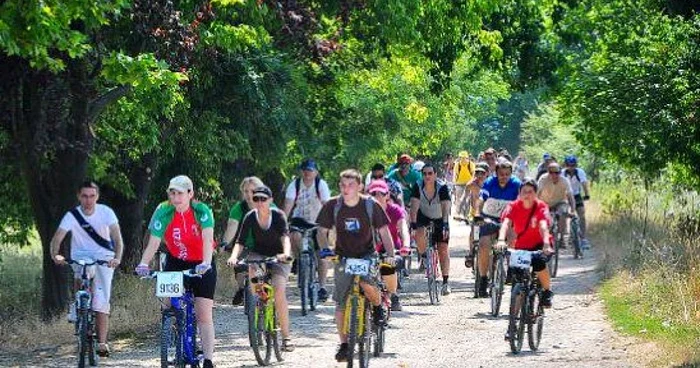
378, 186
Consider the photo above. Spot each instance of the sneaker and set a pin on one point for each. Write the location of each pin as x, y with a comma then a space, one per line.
483, 287
378, 315
507, 336
469, 261
322, 295
72, 314
295, 267
342, 354
547, 296
395, 303
207, 364
446, 289
238, 298
287, 345
103, 350
509, 277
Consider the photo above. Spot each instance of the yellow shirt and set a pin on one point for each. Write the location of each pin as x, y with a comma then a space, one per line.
464, 171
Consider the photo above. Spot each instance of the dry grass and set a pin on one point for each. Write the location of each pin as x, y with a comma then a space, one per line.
135, 309
653, 271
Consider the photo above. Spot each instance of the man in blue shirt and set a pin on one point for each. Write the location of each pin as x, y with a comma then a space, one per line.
498, 191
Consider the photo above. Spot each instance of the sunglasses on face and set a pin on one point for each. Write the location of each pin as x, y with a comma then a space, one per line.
378, 194
259, 199
554, 172
429, 173
480, 173
378, 176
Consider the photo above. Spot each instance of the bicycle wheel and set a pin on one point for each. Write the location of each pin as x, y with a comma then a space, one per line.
303, 282
92, 340
430, 273
515, 321
314, 285
553, 263
171, 347
497, 285
354, 328
274, 333
436, 275
477, 277
256, 331
365, 342
576, 238
535, 320
83, 337
378, 333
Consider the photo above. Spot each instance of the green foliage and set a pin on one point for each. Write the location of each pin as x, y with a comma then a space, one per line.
36, 30
544, 131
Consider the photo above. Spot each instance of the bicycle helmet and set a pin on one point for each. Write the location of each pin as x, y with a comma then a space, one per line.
570, 160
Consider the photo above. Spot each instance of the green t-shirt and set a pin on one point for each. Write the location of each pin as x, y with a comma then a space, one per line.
406, 182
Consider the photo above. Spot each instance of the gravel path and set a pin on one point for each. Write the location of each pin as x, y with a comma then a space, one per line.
457, 333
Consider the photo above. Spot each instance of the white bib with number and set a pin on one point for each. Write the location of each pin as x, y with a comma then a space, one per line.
494, 207
357, 266
169, 285
521, 259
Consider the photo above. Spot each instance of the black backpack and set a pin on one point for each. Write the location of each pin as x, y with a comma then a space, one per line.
297, 184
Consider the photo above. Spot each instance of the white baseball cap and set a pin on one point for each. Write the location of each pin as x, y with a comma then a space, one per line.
181, 183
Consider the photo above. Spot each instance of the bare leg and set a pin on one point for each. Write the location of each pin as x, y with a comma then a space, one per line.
205, 321
421, 241
444, 255
102, 323
485, 254
339, 323
543, 276
279, 283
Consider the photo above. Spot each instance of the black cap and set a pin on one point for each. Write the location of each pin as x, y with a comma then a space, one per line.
262, 191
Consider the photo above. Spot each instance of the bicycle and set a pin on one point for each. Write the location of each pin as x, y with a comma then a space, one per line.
307, 275
178, 328
85, 327
264, 332
553, 264
379, 331
526, 308
576, 237
358, 320
498, 280
431, 266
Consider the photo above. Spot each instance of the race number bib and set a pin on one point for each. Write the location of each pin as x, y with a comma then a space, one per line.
521, 259
356, 266
494, 207
169, 285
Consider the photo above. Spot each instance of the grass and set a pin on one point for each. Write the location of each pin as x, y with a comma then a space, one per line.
652, 265
135, 310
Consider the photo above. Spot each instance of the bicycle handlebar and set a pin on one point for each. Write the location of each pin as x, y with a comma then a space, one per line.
266, 260
188, 273
86, 263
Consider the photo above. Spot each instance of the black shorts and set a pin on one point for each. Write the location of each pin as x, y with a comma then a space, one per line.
301, 223
579, 200
424, 221
489, 228
203, 287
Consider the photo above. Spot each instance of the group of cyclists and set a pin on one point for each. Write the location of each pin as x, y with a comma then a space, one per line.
379, 214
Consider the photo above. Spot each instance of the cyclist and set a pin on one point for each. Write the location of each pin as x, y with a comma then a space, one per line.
268, 227
398, 228
577, 178
235, 218
529, 218
556, 192
542, 166
349, 215
498, 191
95, 236
473, 190
490, 159
522, 167
303, 200
187, 228
463, 174
406, 176
378, 172
431, 203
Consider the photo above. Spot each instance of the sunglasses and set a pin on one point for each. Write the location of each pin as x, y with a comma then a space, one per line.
429, 173
378, 194
480, 173
259, 199
554, 172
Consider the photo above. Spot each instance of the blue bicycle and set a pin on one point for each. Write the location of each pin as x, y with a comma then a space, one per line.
85, 321
178, 328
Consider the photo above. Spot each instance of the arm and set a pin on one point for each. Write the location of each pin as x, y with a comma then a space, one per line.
231, 227
446, 207
56, 246
544, 231
288, 205
415, 203
208, 244
387, 241
115, 234
586, 189
150, 251
403, 232
503, 231
233, 259
286, 247
322, 237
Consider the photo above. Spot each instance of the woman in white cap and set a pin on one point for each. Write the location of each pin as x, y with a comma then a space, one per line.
187, 228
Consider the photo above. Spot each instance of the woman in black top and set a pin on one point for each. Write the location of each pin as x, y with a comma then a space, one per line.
268, 227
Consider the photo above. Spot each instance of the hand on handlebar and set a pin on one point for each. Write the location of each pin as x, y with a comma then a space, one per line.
478, 219
232, 261
113, 263
142, 270
59, 260
326, 252
202, 268
283, 258
391, 261
547, 250
501, 246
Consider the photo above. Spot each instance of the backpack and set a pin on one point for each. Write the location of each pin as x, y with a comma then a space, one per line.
297, 185
566, 173
369, 208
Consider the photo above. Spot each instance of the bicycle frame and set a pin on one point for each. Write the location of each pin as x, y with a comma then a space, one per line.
184, 307
85, 323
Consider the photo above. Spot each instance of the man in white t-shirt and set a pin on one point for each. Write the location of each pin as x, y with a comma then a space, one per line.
84, 247
304, 198
581, 190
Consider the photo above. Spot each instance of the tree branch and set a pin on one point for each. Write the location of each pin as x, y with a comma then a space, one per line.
100, 103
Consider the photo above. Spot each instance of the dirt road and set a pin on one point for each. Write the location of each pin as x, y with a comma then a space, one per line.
457, 333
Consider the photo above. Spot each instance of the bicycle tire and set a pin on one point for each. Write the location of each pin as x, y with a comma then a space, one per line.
256, 332
314, 285
378, 336
364, 349
576, 238
354, 327
515, 319
83, 340
430, 273
276, 336
303, 283
497, 286
535, 320
171, 340
436, 274
92, 340
477, 277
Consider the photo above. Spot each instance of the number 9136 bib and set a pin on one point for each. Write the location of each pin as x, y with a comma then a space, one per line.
169, 285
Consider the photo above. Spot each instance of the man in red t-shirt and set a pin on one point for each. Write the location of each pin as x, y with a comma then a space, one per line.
530, 220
